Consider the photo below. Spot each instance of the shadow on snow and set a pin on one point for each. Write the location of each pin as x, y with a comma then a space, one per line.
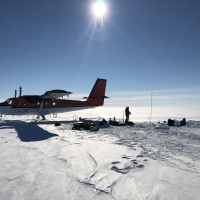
28, 132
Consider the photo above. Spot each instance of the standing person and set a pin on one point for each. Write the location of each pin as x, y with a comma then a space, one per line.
127, 112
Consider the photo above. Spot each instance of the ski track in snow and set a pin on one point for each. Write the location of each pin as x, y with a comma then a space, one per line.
41, 161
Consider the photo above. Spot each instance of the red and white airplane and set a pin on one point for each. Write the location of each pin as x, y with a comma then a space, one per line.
49, 102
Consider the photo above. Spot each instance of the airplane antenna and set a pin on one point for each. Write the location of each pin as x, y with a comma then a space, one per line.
83, 87
151, 109
20, 91
15, 93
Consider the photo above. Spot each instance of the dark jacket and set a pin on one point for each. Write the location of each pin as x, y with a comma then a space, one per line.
127, 112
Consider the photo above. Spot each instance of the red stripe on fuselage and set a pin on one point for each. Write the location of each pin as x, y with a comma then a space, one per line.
47, 104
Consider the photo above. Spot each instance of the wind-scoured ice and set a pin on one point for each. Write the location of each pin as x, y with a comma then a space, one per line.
42, 161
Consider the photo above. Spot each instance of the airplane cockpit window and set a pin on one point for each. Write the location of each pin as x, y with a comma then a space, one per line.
7, 101
10, 102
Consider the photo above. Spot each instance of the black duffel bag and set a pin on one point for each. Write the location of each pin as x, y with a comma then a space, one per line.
171, 122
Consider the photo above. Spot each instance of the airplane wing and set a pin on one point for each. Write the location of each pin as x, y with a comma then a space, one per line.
53, 94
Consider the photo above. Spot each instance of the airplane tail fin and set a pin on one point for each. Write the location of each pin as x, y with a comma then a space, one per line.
97, 95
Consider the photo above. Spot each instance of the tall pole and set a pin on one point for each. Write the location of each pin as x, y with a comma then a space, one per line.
151, 109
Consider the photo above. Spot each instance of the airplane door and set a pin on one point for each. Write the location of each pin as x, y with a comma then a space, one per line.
2, 110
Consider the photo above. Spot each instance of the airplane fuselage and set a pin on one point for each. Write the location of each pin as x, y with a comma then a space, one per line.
49, 103
13, 107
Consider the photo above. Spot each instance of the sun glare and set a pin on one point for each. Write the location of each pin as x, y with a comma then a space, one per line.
99, 9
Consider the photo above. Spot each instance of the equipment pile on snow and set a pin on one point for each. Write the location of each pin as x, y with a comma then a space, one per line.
57, 124
85, 126
173, 123
116, 123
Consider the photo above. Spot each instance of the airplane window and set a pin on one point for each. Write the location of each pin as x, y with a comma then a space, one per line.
7, 101
59, 103
54, 103
46, 103
38, 103
10, 102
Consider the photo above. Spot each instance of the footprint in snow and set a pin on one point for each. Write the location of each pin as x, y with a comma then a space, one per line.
125, 157
122, 171
140, 166
126, 169
118, 143
134, 161
140, 156
116, 162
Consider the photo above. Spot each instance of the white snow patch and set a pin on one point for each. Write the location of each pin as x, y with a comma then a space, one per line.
41, 161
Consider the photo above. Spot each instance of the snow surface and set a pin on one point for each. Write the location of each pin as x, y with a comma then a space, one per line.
43, 161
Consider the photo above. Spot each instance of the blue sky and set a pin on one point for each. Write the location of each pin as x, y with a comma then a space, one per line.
143, 46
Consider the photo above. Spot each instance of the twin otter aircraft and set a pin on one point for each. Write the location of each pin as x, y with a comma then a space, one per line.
49, 103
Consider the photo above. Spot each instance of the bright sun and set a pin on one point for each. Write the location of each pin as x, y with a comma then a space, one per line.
99, 9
